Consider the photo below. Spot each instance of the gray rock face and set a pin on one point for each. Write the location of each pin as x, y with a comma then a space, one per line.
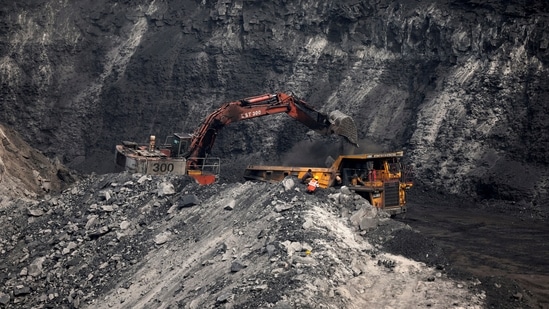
460, 86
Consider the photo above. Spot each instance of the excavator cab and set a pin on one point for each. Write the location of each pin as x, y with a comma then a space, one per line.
205, 170
179, 144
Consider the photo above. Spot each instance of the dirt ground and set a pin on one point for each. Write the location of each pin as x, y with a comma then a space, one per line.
26, 172
501, 244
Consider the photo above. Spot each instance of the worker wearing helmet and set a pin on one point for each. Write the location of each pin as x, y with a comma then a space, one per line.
312, 185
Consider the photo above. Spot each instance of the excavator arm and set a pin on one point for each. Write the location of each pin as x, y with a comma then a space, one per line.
263, 105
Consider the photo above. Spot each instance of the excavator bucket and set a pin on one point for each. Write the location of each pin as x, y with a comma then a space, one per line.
344, 125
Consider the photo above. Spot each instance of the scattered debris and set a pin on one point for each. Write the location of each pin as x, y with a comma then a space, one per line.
280, 246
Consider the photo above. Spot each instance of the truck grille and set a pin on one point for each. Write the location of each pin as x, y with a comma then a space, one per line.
391, 194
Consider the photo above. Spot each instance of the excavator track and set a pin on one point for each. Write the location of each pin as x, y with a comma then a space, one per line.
344, 125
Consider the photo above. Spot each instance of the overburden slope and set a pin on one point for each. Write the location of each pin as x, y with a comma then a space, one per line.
25, 172
135, 241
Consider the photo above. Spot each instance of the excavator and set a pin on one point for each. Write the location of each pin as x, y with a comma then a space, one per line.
189, 154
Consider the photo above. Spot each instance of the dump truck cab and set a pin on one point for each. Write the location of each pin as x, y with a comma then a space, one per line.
379, 178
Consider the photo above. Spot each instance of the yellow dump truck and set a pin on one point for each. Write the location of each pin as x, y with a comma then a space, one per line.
381, 178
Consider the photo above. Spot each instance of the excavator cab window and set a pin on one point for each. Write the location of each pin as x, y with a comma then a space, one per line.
179, 144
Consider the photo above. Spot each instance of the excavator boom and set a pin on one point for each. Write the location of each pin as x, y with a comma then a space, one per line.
269, 104
188, 154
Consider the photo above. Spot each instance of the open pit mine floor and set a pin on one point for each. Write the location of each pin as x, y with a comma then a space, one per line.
492, 241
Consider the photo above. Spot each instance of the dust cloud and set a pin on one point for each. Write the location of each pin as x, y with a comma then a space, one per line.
317, 153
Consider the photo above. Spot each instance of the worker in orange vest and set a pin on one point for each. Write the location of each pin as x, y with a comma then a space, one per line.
313, 184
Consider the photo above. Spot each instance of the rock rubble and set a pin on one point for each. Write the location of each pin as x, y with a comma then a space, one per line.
134, 241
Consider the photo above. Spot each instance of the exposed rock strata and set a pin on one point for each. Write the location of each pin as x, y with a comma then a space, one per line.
460, 85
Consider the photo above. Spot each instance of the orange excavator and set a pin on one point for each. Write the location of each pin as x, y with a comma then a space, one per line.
188, 154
